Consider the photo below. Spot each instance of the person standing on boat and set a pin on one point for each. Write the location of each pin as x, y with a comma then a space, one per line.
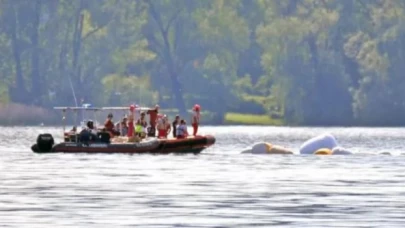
109, 125
174, 125
164, 127
153, 115
195, 119
143, 121
131, 126
122, 126
140, 129
159, 119
89, 133
168, 128
161, 127
182, 130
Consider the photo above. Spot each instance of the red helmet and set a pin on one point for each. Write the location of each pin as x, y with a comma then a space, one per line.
132, 108
197, 107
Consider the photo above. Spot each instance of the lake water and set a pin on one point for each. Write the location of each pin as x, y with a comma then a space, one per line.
218, 188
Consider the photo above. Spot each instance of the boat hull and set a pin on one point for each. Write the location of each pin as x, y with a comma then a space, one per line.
152, 145
188, 145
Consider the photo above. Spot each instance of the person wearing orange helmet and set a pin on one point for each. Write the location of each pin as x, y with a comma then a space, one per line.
195, 118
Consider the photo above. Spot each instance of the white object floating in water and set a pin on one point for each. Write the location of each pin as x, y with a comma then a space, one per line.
319, 142
261, 148
267, 148
341, 151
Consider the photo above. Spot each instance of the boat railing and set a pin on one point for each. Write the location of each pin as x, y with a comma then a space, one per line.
88, 107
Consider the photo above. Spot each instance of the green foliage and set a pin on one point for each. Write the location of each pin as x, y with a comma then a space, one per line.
244, 85
249, 105
308, 62
121, 90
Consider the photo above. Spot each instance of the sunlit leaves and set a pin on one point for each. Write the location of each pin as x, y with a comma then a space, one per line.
128, 89
226, 34
136, 53
89, 28
222, 26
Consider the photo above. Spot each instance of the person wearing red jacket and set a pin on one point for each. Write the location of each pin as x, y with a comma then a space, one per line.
195, 118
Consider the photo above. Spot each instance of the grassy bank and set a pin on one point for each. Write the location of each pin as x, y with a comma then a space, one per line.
230, 118
249, 119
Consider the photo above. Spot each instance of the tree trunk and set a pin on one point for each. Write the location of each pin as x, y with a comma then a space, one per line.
168, 59
77, 36
176, 85
74, 73
19, 92
316, 111
37, 82
77, 66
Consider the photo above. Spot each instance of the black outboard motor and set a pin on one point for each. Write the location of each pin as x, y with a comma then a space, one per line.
45, 142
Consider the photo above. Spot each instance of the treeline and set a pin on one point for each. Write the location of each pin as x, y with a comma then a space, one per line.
309, 62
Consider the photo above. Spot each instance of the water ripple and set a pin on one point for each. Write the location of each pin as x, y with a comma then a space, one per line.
219, 188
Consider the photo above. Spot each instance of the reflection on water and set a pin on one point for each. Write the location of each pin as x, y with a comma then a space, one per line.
219, 188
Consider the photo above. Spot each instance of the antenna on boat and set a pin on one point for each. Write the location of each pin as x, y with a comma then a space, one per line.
85, 106
140, 95
64, 121
73, 91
